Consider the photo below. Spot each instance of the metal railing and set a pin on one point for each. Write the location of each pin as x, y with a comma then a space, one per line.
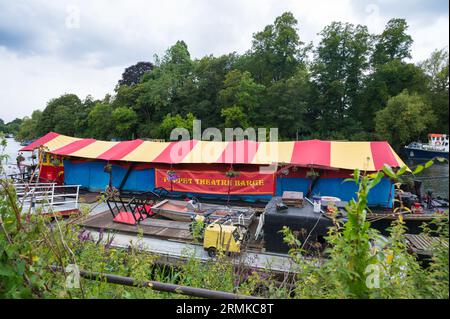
48, 196
158, 286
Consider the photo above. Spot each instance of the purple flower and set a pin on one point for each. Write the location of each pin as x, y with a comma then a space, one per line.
84, 235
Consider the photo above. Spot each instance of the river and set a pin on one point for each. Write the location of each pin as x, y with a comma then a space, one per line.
432, 176
12, 149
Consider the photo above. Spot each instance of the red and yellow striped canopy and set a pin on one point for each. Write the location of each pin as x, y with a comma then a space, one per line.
370, 156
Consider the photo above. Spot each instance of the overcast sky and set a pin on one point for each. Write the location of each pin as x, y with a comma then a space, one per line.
48, 48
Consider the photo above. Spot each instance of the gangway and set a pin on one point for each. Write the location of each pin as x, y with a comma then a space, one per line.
48, 197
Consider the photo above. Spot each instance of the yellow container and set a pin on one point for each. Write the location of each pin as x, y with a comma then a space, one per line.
224, 238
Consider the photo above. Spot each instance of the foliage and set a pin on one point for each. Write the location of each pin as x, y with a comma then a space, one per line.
331, 91
29, 127
100, 122
393, 43
12, 127
171, 122
436, 68
406, 117
132, 75
362, 264
125, 121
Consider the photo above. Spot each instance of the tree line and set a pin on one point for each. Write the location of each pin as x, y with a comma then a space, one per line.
353, 85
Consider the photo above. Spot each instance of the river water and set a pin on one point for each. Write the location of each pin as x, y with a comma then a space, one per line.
12, 150
432, 177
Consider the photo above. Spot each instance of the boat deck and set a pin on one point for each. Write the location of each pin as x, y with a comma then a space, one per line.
161, 228
172, 241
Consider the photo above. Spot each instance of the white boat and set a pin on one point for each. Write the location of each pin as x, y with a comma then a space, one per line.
437, 146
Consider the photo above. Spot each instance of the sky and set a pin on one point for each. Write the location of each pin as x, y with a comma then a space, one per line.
48, 48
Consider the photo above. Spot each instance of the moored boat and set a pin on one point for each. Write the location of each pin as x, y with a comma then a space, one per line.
437, 146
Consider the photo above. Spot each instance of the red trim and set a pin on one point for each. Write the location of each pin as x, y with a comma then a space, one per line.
41, 141
382, 154
182, 149
314, 152
120, 150
73, 147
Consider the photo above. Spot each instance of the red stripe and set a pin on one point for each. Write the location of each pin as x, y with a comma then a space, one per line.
73, 147
120, 150
41, 141
313, 152
382, 154
175, 152
239, 152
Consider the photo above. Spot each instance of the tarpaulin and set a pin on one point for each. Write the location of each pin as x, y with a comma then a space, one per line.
366, 156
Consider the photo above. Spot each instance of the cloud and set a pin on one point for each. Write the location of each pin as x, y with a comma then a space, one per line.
81, 46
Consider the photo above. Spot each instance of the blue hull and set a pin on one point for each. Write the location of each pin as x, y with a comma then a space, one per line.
417, 154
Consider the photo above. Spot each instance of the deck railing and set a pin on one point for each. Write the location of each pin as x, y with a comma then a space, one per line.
47, 196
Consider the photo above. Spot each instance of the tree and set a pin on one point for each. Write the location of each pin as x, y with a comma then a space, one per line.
406, 118
100, 124
160, 89
390, 79
81, 116
133, 74
341, 61
393, 43
241, 97
235, 117
171, 122
201, 95
59, 115
29, 127
436, 68
10, 127
276, 51
125, 121
286, 106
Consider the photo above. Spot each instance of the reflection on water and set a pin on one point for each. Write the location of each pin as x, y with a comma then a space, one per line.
434, 178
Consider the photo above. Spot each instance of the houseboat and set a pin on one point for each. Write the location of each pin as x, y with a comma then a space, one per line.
437, 146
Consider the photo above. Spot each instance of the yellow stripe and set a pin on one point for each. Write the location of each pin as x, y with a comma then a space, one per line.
273, 152
146, 152
94, 150
351, 155
60, 141
205, 152
398, 159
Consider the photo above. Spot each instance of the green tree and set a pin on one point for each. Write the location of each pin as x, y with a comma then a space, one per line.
436, 68
100, 124
59, 113
276, 51
286, 106
125, 121
406, 118
341, 61
161, 90
234, 117
12, 127
389, 80
29, 127
393, 43
241, 97
176, 121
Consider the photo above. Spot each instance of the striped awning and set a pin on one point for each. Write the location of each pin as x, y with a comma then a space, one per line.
370, 156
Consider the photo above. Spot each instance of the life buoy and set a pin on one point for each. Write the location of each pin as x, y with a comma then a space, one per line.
437, 143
